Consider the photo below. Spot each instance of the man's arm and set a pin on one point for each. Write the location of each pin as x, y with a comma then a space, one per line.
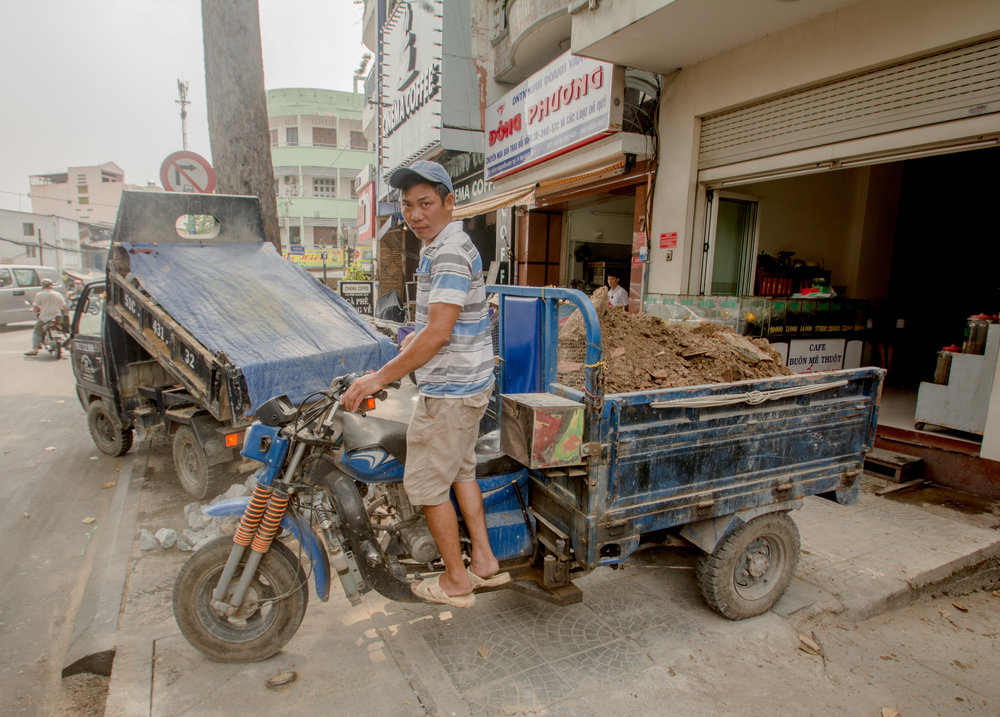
422, 348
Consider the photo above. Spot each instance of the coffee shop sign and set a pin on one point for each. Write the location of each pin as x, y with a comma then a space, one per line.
467, 191
419, 93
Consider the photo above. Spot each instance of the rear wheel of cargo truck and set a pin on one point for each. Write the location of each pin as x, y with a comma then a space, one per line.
750, 569
196, 476
108, 435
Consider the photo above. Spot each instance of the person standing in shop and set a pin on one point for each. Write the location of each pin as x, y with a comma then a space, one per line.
617, 295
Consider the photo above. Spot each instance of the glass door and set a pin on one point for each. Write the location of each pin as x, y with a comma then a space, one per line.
732, 245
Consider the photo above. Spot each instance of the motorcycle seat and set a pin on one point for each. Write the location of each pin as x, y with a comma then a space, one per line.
372, 432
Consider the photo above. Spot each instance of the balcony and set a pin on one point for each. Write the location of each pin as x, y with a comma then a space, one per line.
665, 35
530, 34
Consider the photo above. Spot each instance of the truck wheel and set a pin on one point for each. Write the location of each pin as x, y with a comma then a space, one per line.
751, 568
193, 472
270, 614
108, 436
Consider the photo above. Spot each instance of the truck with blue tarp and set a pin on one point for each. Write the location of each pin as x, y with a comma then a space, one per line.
198, 322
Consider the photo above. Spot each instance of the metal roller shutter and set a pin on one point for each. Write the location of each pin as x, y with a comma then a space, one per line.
949, 85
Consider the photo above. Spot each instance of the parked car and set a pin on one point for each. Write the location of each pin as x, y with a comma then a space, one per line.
18, 285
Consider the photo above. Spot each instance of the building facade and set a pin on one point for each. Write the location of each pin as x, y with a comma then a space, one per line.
44, 240
319, 149
85, 194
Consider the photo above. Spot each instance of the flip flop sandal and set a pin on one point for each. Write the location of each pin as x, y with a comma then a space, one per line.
493, 581
430, 590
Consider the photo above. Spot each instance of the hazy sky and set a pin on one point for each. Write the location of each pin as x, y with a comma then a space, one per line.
93, 81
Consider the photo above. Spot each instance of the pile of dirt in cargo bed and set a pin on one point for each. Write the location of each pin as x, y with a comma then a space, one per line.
642, 352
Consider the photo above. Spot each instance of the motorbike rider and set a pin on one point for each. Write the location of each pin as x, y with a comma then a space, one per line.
49, 304
452, 354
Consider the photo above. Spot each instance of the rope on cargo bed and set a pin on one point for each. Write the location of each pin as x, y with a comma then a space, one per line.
751, 397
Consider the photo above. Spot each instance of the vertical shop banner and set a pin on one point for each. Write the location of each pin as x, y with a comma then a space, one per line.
566, 104
411, 81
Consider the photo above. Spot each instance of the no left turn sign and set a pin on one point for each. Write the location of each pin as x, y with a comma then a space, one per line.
187, 172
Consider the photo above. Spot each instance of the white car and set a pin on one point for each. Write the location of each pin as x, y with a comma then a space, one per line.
18, 285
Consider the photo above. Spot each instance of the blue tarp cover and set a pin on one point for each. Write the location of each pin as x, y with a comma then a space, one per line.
288, 332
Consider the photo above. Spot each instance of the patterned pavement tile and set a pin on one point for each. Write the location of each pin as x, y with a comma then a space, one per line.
527, 692
603, 663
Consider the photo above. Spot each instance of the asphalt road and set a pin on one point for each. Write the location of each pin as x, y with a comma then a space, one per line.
51, 515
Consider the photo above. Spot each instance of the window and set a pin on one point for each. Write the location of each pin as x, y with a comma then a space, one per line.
90, 317
29, 229
31, 252
5, 279
292, 136
324, 137
325, 236
324, 187
294, 235
84, 200
27, 277
291, 185
81, 189
359, 141
274, 138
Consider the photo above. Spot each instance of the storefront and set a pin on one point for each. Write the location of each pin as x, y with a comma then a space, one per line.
565, 150
833, 161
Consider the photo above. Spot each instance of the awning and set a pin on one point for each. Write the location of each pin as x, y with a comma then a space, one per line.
524, 196
563, 183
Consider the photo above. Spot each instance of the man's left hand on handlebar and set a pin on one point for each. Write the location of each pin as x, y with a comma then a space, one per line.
365, 385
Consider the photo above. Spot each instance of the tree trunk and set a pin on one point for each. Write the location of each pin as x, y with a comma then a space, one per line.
237, 105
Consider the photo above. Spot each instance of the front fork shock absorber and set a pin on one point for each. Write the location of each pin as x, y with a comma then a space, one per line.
269, 525
249, 523
258, 526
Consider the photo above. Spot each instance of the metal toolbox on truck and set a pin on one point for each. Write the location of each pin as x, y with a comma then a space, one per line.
541, 430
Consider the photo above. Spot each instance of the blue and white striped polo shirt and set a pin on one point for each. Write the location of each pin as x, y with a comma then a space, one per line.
451, 272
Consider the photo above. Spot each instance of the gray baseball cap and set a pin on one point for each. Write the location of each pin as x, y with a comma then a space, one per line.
430, 171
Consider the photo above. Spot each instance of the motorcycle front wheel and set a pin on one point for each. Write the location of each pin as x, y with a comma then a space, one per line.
271, 612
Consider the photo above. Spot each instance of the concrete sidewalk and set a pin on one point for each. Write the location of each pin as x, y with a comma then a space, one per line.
639, 631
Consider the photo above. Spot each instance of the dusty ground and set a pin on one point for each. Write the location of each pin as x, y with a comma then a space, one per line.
642, 352
84, 695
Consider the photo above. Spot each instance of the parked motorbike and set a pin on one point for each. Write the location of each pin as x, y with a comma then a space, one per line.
333, 481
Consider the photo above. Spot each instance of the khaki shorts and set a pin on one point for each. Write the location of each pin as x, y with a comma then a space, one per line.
441, 445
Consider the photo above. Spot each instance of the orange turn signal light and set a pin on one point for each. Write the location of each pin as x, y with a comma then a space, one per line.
369, 403
232, 440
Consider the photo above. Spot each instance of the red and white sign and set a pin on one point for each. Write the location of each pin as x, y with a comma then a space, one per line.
565, 105
187, 172
668, 241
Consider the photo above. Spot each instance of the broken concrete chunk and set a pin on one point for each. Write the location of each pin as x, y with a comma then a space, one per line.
236, 490
167, 537
147, 541
194, 517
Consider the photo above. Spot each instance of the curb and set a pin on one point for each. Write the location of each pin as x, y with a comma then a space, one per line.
92, 645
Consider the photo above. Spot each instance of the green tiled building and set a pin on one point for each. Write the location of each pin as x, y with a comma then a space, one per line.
318, 149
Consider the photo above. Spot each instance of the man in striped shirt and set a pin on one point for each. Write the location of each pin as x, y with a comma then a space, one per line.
452, 355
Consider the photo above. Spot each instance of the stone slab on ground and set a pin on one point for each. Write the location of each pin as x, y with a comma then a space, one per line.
880, 554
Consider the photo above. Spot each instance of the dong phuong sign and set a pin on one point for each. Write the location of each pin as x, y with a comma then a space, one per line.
564, 105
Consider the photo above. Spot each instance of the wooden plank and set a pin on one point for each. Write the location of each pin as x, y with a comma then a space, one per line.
897, 467
901, 486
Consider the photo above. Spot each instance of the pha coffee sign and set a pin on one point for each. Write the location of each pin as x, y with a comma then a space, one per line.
360, 295
568, 103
